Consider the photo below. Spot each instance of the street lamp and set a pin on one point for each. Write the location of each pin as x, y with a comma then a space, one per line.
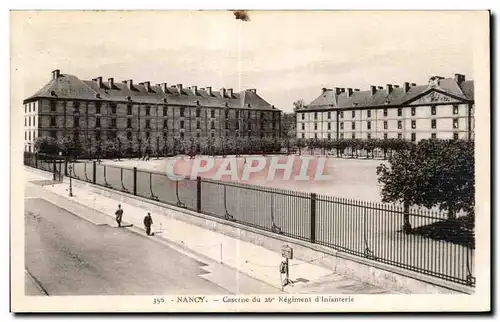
70, 183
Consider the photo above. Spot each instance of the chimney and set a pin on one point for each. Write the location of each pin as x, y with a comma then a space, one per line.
388, 89
56, 73
147, 85
373, 89
337, 90
111, 82
253, 90
406, 87
396, 86
98, 81
230, 92
209, 90
129, 83
223, 92
195, 90
380, 87
356, 89
459, 78
413, 84
163, 87
179, 88
348, 92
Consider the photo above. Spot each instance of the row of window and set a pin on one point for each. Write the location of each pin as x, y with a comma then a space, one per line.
368, 136
27, 121
369, 112
27, 108
147, 109
76, 123
369, 125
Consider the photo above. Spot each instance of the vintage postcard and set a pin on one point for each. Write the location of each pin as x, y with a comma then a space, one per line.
250, 161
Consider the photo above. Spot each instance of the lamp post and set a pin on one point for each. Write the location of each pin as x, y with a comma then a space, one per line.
70, 183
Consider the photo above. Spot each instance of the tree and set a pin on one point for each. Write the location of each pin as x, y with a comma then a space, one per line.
45, 144
298, 104
301, 144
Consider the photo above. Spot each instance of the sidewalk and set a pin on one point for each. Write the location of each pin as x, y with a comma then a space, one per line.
252, 260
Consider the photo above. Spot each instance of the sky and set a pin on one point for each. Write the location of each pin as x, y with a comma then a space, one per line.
285, 55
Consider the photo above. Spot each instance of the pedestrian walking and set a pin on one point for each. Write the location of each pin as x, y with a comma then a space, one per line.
119, 215
148, 221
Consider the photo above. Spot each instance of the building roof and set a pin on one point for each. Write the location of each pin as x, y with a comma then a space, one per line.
67, 86
457, 87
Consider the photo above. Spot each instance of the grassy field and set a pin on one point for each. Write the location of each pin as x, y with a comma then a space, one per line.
362, 228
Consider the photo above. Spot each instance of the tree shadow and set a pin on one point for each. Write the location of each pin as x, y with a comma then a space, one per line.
457, 231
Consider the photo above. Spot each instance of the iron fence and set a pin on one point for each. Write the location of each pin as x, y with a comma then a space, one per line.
436, 245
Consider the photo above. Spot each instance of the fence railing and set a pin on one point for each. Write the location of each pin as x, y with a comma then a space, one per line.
435, 246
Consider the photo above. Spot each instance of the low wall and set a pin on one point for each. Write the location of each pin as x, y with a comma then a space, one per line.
372, 272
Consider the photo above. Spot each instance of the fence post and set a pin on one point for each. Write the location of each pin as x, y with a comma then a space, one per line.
93, 171
36, 161
54, 169
198, 194
135, 181
66, 167
313, 217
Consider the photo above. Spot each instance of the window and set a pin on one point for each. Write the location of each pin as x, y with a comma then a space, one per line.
52, 121
329, 115
25, 111
329, 126
98, 107
341, 125
400, 112
413, 137
164, 134
148, 135
369, 125
315, 135
29, 121
353, 114
329, 136
455, 109
53, 134
385, 136
413, 111
315, 115
315, 126
148, 110
400, 125
76, 121
226, 125
212, 125
25, 135
226, 114
353, 125
385, 112
385, 125
98, 122
198, 135
182, 135
76, 107
112, 134
433, 135
148, 124
182, 124
165, 111
129, 123
413, 124
368, 136
165, 124
342, 114
76, 136
212, 113
182, 111
198, 112
342, 136
303, 126
113, 123
29, 136
400, 136
303, 115
353, 135
129, 136
25, 123
98, 135
303, 134
433, 124
369, 113
455, 123
433, 110
52, 106
238, 125
455, 135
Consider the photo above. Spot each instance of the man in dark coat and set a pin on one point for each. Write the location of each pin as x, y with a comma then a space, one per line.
119, 215
148, 221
